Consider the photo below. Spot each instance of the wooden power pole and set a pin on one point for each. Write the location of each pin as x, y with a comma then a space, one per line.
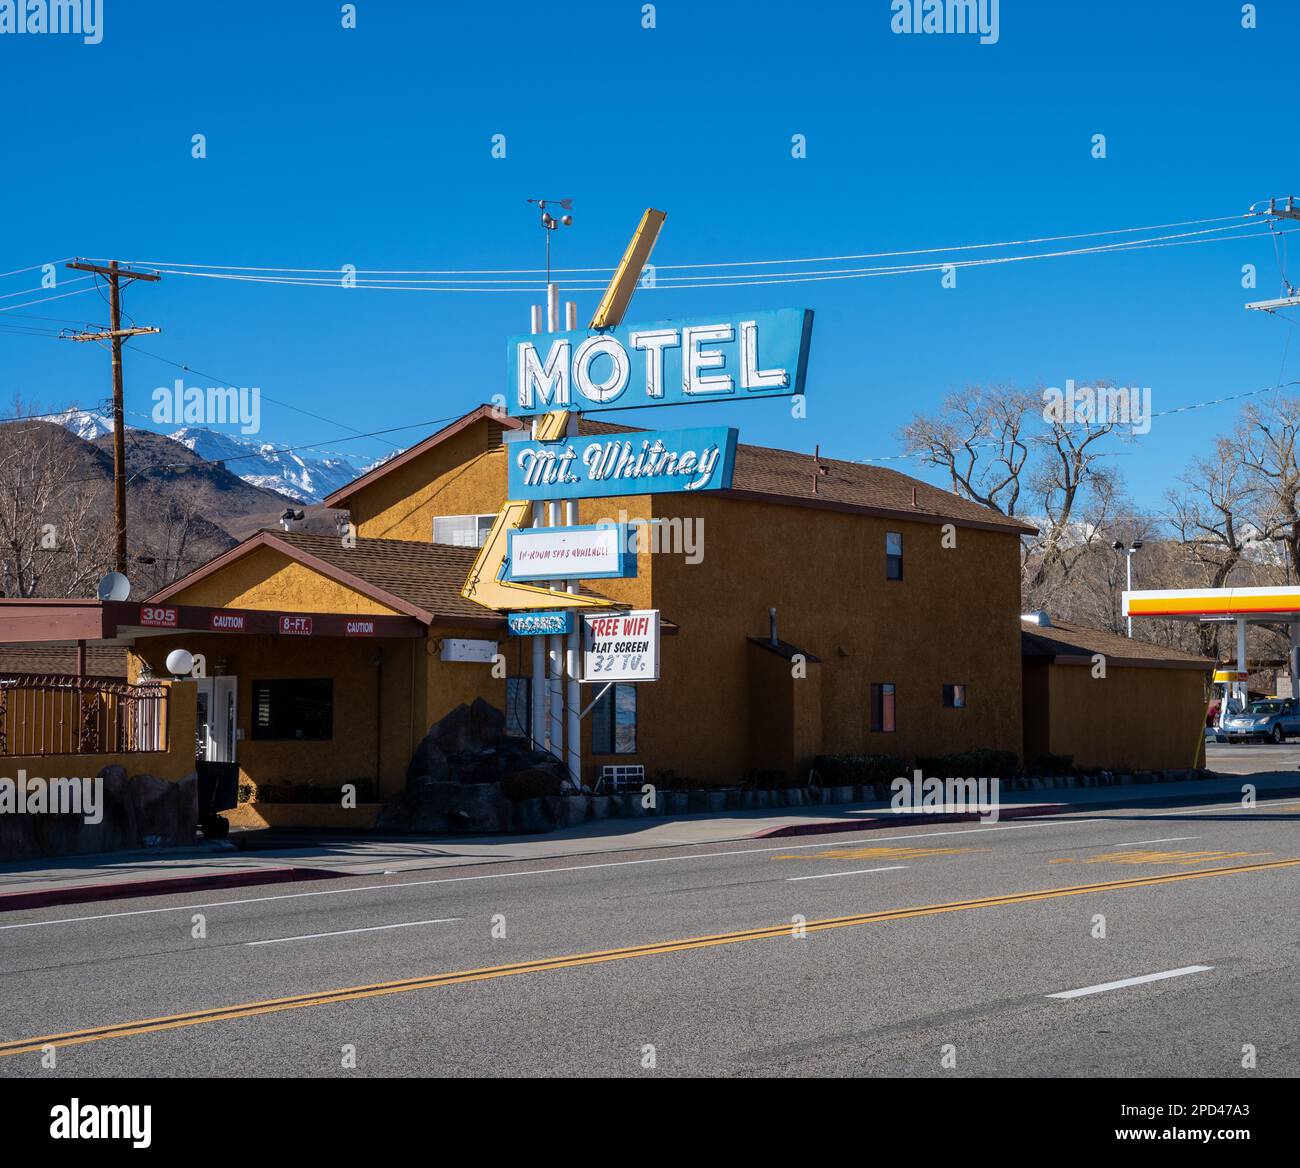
115, 275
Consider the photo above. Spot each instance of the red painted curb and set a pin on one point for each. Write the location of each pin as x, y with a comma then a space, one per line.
904, 819
126, 889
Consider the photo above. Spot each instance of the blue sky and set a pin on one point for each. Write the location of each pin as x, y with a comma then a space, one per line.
372, 147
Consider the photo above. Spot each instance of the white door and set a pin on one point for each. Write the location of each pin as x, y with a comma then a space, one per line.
217, 706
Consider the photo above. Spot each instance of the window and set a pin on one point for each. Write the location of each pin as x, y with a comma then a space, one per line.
296, 708
519, 708
613, 721
462, 530
954, 697
893, 555
882, 707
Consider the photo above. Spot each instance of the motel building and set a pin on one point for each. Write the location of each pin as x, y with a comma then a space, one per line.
814, 606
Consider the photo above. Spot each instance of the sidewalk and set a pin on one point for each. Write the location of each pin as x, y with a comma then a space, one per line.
277, 857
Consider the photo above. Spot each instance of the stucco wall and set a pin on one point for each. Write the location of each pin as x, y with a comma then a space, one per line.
1135, 718
954, 617
464, 472
266, 578
362, 746
174, 763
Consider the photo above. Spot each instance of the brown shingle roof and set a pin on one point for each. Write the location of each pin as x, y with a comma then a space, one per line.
101, 660
765, 472
790, 476
1064, 639
427, 575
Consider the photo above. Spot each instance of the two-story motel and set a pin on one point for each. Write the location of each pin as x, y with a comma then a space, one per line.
897, 626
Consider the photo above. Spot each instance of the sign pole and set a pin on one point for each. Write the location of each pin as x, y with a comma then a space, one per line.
555, 654
573, 730
536, 709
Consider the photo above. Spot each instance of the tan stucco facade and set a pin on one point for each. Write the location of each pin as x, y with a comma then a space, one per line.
1134, 718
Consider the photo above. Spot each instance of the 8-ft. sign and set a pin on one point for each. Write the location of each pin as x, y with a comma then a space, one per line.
623, 646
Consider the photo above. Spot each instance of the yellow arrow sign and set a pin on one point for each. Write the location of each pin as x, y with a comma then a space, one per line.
483, 585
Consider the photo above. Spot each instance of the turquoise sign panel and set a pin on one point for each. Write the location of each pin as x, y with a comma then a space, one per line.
540, 624
645, 462
722, 358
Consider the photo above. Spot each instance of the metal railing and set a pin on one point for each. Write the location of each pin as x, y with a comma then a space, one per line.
60, 714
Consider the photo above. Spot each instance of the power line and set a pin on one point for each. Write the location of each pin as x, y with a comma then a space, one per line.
741, 281
266, 396
1034, 438
709, 264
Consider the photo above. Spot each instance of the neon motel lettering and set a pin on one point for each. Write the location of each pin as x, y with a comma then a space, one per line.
550, 383
618, 460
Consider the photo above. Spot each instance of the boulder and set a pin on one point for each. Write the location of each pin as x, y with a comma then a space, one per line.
443, 806
116, 829
18, 837
577, 809
542, 814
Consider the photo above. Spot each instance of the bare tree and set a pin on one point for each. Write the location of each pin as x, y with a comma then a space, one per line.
54, 540
978, 437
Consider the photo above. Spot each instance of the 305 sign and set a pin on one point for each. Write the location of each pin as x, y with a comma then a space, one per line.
620, 647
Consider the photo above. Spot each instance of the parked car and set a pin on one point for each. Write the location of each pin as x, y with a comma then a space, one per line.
1274, 719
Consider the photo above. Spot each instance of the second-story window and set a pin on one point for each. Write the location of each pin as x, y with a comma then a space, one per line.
462, 530
893, 555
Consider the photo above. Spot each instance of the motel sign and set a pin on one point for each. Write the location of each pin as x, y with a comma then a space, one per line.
760, 354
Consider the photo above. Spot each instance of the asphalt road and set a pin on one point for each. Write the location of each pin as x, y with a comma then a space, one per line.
929, 951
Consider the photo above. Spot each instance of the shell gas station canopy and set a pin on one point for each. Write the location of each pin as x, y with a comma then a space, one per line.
1241, 606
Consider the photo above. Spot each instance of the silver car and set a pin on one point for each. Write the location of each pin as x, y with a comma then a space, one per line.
1273, 718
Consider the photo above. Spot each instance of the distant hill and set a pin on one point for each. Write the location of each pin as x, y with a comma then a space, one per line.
304, 477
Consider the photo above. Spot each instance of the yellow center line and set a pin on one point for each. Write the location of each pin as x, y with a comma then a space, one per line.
545, 964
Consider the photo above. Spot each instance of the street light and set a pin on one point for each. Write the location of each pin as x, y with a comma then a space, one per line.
1118, 545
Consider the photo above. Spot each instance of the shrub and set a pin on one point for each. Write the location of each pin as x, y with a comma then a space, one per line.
671, 781
531, 784
1051, 764
858, 770
758, 779
970, 764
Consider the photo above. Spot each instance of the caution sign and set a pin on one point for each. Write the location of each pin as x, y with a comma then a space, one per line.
621, 646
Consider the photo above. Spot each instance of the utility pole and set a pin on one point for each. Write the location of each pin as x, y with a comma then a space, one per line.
115, 274
1287, 210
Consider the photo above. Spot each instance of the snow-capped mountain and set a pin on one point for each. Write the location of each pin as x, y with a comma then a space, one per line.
85, 424
305, 477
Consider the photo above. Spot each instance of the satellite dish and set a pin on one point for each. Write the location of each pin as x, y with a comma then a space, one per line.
180, 662
114, 586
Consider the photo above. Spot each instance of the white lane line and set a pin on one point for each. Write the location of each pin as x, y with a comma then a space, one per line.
1132, 981
139, 912
1169, 839
855, 872
344, 932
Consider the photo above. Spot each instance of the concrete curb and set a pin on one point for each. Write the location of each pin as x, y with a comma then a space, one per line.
904, 819
161, 886
1012, 811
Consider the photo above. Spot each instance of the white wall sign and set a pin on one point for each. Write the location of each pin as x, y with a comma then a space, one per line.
590, 552
463, 649
622, 646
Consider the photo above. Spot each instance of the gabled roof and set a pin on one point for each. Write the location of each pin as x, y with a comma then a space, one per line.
422, 580
340, 497
766, 474
1063, 642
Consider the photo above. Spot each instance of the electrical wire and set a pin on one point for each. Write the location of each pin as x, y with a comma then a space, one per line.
705, 265
746, 279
